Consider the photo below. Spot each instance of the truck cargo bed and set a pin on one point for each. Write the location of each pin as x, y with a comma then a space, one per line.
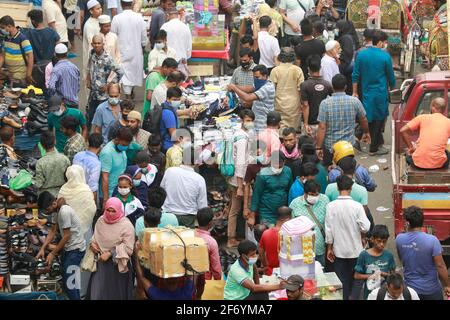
412, 175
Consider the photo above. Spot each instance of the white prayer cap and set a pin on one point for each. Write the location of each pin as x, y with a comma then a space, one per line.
60, 48
92, 3
330, 45
127, 0
103, 19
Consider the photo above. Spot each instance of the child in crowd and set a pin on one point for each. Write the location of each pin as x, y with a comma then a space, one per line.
174, 155
126, 193
375, 263
308, 171
150, 173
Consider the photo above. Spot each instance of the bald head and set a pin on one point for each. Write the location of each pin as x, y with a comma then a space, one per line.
438, 105
97, 43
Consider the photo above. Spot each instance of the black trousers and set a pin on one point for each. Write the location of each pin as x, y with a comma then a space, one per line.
345, 269
376, 134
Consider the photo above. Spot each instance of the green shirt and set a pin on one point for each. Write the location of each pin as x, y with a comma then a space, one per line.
133, 149
271, 192
55, 122
50, 172
359, 193
368, 264
233, 288
151, 83
300, 208
114, 163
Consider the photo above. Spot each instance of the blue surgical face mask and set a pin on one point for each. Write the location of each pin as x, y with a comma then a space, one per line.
176, 104
136, 182
121, 148
258, 83
113, 101
252, 260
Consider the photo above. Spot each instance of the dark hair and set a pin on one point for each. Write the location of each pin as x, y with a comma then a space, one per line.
154, 140
305, 139
310, 158
95, 140
7, 21
368, 34
169, 63
284, 213
247, 39
311, 186
6, 133
306, 27
156, 197
48, 140
175, 76
247, 113
142, 157
152, 216
295, 41
289, 130
314, 63
245, 52
45, 200
70, 123
344, 183
273, 118
377, 36
265, 22
308, 169
204, 216
161, 35
414, 216
380, 231
126, 105
124, 134
261, 69
174, 92
318, 26
348, 165
36, 16
395, 280
271, 3
339, 82
246, 246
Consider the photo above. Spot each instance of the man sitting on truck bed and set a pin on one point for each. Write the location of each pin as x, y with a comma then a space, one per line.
434, 130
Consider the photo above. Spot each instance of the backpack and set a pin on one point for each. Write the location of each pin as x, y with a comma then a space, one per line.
382, 293
152, 119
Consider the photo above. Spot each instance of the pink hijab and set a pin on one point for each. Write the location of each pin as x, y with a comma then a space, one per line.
117, 205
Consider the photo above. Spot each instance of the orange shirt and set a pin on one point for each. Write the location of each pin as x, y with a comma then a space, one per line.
434, 131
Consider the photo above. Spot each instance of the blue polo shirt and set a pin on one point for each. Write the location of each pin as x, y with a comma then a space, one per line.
169, 119
104, 118
114, 163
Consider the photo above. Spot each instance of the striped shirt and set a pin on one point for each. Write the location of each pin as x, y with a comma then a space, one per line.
340, 112
15, 48
65, 81
264, 104
242, 77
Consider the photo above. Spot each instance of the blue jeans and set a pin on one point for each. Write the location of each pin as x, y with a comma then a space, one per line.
71, 273
344, 269
434, 296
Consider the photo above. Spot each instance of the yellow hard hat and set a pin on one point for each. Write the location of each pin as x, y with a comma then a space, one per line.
342, 149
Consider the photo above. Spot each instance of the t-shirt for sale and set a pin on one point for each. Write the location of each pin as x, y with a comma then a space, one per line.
269, 242
368, 264
315, 90
416, 251
305, 50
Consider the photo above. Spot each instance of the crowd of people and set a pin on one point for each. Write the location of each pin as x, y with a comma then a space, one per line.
310, 96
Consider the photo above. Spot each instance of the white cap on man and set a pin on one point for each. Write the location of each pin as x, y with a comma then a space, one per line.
92, 3
104, 19
128, 1
60, 48
331, 45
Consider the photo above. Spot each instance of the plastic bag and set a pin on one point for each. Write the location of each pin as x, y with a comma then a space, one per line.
23, 180
374, 281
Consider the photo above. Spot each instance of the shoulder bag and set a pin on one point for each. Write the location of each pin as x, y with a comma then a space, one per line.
322, 230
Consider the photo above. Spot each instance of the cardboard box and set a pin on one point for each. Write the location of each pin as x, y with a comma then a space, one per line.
163, 252
18, 11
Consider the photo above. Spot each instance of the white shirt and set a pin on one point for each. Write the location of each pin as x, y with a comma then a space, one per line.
344, 221
269, 49
159, 95
179, 38
157, 57
52, 13
329, 68
114, 4
186, 191
374, 293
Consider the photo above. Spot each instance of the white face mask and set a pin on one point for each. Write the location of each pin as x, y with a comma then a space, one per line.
277, 170
312, 200
249, 125
58, 113
123, 191
186, 144
160, 46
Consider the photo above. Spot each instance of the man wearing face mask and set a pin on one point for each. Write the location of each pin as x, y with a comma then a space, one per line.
161, 51
373, 71
126, 106
57, 111
243, 75
263, 97
314, 206
308, 171
107, 113
243, 278
330, 60
113, 161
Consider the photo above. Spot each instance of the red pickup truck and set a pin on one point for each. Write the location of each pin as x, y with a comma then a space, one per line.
427, 189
